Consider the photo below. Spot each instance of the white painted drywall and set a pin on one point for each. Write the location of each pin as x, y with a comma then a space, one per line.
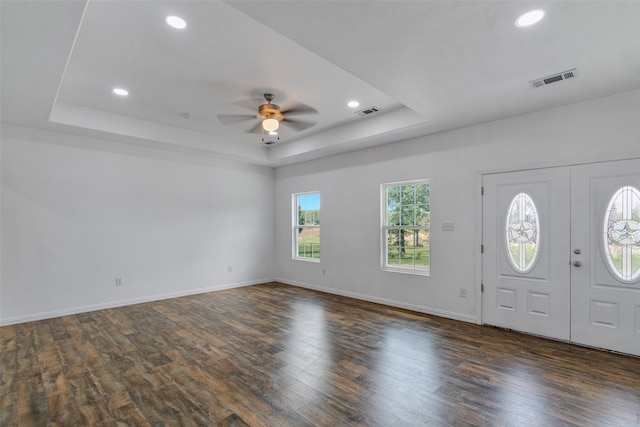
602, 129
78, 212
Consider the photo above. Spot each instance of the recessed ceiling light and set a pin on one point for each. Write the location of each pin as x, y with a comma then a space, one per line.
176, 22
529, 18
121, 92
353, 104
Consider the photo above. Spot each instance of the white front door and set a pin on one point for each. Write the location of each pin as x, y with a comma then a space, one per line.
525, 251
562, 253
605, 241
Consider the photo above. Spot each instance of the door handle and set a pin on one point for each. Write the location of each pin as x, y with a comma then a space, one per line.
577, 263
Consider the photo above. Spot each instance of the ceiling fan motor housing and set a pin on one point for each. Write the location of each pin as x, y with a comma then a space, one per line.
270, 111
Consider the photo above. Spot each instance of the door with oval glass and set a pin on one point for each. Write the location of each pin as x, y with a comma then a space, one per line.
605, 271
525, 251
562, 253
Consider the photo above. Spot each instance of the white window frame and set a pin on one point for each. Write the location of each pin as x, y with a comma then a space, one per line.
295, 226
384, 228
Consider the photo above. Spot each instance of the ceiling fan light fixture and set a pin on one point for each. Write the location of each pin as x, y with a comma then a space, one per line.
270, 125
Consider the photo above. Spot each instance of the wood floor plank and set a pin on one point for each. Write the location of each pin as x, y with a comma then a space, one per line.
205, 400
278, 355
30, 402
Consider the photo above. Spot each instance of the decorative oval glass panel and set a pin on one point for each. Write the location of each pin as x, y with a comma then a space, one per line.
522, 233
621, 234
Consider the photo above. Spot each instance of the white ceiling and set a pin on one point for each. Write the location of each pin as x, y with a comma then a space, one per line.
428, 66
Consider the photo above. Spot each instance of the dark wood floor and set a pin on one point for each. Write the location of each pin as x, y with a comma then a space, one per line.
278, 355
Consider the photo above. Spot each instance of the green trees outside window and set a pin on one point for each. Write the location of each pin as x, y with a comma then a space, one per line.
406, 221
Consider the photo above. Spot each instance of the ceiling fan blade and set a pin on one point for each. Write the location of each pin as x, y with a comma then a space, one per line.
255, 128
229, 119
297, 124
300, 109
249, 104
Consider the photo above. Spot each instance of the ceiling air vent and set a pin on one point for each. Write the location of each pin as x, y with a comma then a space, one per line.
367, 111
569, 74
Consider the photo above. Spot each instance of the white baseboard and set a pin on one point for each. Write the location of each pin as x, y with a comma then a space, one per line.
114, 304
383, 301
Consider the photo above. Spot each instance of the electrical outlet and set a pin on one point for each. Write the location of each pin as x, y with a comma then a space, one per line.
324, 272
229, 269
463, 292
447, 226
118, 281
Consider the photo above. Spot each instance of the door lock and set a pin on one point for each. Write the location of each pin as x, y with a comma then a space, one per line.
577, 251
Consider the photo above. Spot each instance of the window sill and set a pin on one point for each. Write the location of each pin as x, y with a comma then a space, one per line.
426, 272
307, 259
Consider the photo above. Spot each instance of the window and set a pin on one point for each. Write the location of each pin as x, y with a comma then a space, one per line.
405, 227
306, 226
522, 236
621, 234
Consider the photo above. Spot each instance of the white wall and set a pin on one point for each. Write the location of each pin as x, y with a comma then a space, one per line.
79, 212
603, 129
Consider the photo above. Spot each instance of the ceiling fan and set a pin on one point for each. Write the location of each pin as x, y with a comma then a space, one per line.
270, 116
